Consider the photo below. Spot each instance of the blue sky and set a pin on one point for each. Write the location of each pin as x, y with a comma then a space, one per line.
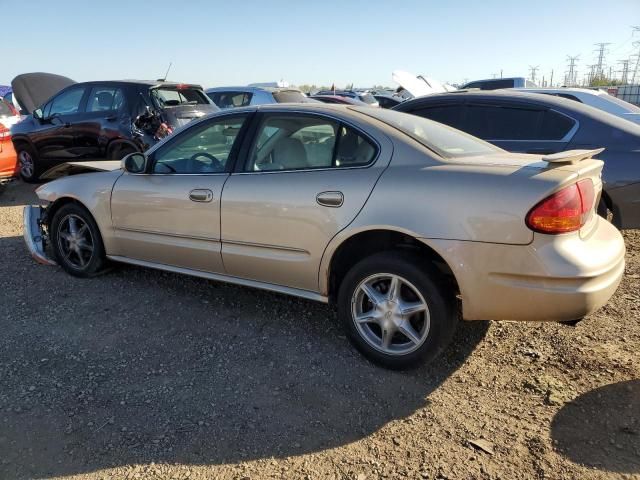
224, 42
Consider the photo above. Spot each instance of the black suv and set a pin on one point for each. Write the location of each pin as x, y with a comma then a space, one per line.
97, 120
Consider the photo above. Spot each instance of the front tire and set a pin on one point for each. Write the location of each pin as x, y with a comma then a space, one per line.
76, 241
396, 310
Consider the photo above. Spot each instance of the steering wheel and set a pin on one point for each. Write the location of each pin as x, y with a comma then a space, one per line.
215, 165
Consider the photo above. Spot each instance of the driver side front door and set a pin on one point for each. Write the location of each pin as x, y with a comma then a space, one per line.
171, 215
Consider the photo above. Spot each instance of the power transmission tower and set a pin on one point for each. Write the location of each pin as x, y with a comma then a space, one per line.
601, 53
624, 71
636, 71
532, 72
592, 73
571, 77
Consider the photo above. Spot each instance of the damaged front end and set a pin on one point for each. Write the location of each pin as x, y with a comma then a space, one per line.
35, 233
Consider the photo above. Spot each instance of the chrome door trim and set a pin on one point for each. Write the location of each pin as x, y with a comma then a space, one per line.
296, 292
263, 245
165, 234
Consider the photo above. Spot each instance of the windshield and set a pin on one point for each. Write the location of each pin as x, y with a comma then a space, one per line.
445, 141
5, 109
171, 97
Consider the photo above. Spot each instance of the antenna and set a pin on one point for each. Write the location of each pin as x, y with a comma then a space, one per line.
167, 72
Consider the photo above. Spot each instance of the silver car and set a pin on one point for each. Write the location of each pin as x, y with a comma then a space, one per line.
404, 224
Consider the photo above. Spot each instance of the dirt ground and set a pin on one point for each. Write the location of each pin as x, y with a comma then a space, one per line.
149, 375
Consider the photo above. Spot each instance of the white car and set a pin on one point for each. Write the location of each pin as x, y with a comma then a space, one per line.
594, 98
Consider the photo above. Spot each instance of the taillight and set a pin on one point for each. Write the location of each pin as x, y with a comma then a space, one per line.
565, 211
5, 133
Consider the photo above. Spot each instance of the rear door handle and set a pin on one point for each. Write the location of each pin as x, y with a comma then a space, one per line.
201, 195
330, 199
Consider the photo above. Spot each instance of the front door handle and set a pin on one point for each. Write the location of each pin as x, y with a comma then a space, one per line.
330, 199
201, 195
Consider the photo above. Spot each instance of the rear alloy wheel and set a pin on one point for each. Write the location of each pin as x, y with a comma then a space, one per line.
27, 162
76, 241
394, 310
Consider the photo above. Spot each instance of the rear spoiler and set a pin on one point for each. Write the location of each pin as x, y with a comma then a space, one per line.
572, 156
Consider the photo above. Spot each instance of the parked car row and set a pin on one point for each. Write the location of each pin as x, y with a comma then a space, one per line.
107, 120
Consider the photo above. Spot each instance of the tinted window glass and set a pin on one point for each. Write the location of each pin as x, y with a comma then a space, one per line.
448, 114
490, 84
555, 126
231, 99
294, 142
503, 123
104, 99
289, 96
67, 102
202, 149
443, 140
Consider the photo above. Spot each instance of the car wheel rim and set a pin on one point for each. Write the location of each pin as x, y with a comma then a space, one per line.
390, 314
75, 242
26, 164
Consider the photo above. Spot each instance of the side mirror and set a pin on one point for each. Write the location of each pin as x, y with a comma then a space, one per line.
37, 114
134, 163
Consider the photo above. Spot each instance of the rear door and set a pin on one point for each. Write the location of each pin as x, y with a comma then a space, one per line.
105, 118
519, 127
171, 215
303, 178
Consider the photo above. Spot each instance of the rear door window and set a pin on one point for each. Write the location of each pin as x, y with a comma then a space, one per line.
105, 99
491, 122
555, 126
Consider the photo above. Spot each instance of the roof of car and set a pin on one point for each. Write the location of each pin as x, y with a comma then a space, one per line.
550, 101
150, 83
245, 88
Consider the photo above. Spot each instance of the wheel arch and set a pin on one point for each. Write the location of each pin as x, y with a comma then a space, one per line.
345, 252
118, 142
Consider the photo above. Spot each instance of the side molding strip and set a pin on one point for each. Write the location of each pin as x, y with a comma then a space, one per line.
296, 292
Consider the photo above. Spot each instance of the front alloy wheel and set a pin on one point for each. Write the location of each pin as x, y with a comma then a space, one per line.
75, 241
27, 165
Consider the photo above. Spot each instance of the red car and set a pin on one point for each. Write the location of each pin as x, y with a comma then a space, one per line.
8, 159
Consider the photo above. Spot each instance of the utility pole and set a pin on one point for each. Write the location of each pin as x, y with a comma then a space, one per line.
532, 72
601, 53
571, 77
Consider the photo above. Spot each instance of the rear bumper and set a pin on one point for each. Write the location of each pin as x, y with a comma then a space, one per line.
555, 278
33, 234
8, 161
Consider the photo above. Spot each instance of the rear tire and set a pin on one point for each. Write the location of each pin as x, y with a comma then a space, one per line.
28, 163
76, 241
413, 317
120, 150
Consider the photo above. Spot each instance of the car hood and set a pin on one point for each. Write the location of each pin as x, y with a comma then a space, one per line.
73, 168
418, 86
31, 90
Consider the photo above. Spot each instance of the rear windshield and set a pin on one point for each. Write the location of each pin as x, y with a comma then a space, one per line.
445, 141
367, 98
628, 107
171, 97
289, 96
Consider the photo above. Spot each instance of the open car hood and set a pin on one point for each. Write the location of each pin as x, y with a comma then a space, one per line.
417, 85
74, 168
33, 89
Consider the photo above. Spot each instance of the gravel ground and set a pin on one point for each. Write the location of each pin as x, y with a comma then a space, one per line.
150, 375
